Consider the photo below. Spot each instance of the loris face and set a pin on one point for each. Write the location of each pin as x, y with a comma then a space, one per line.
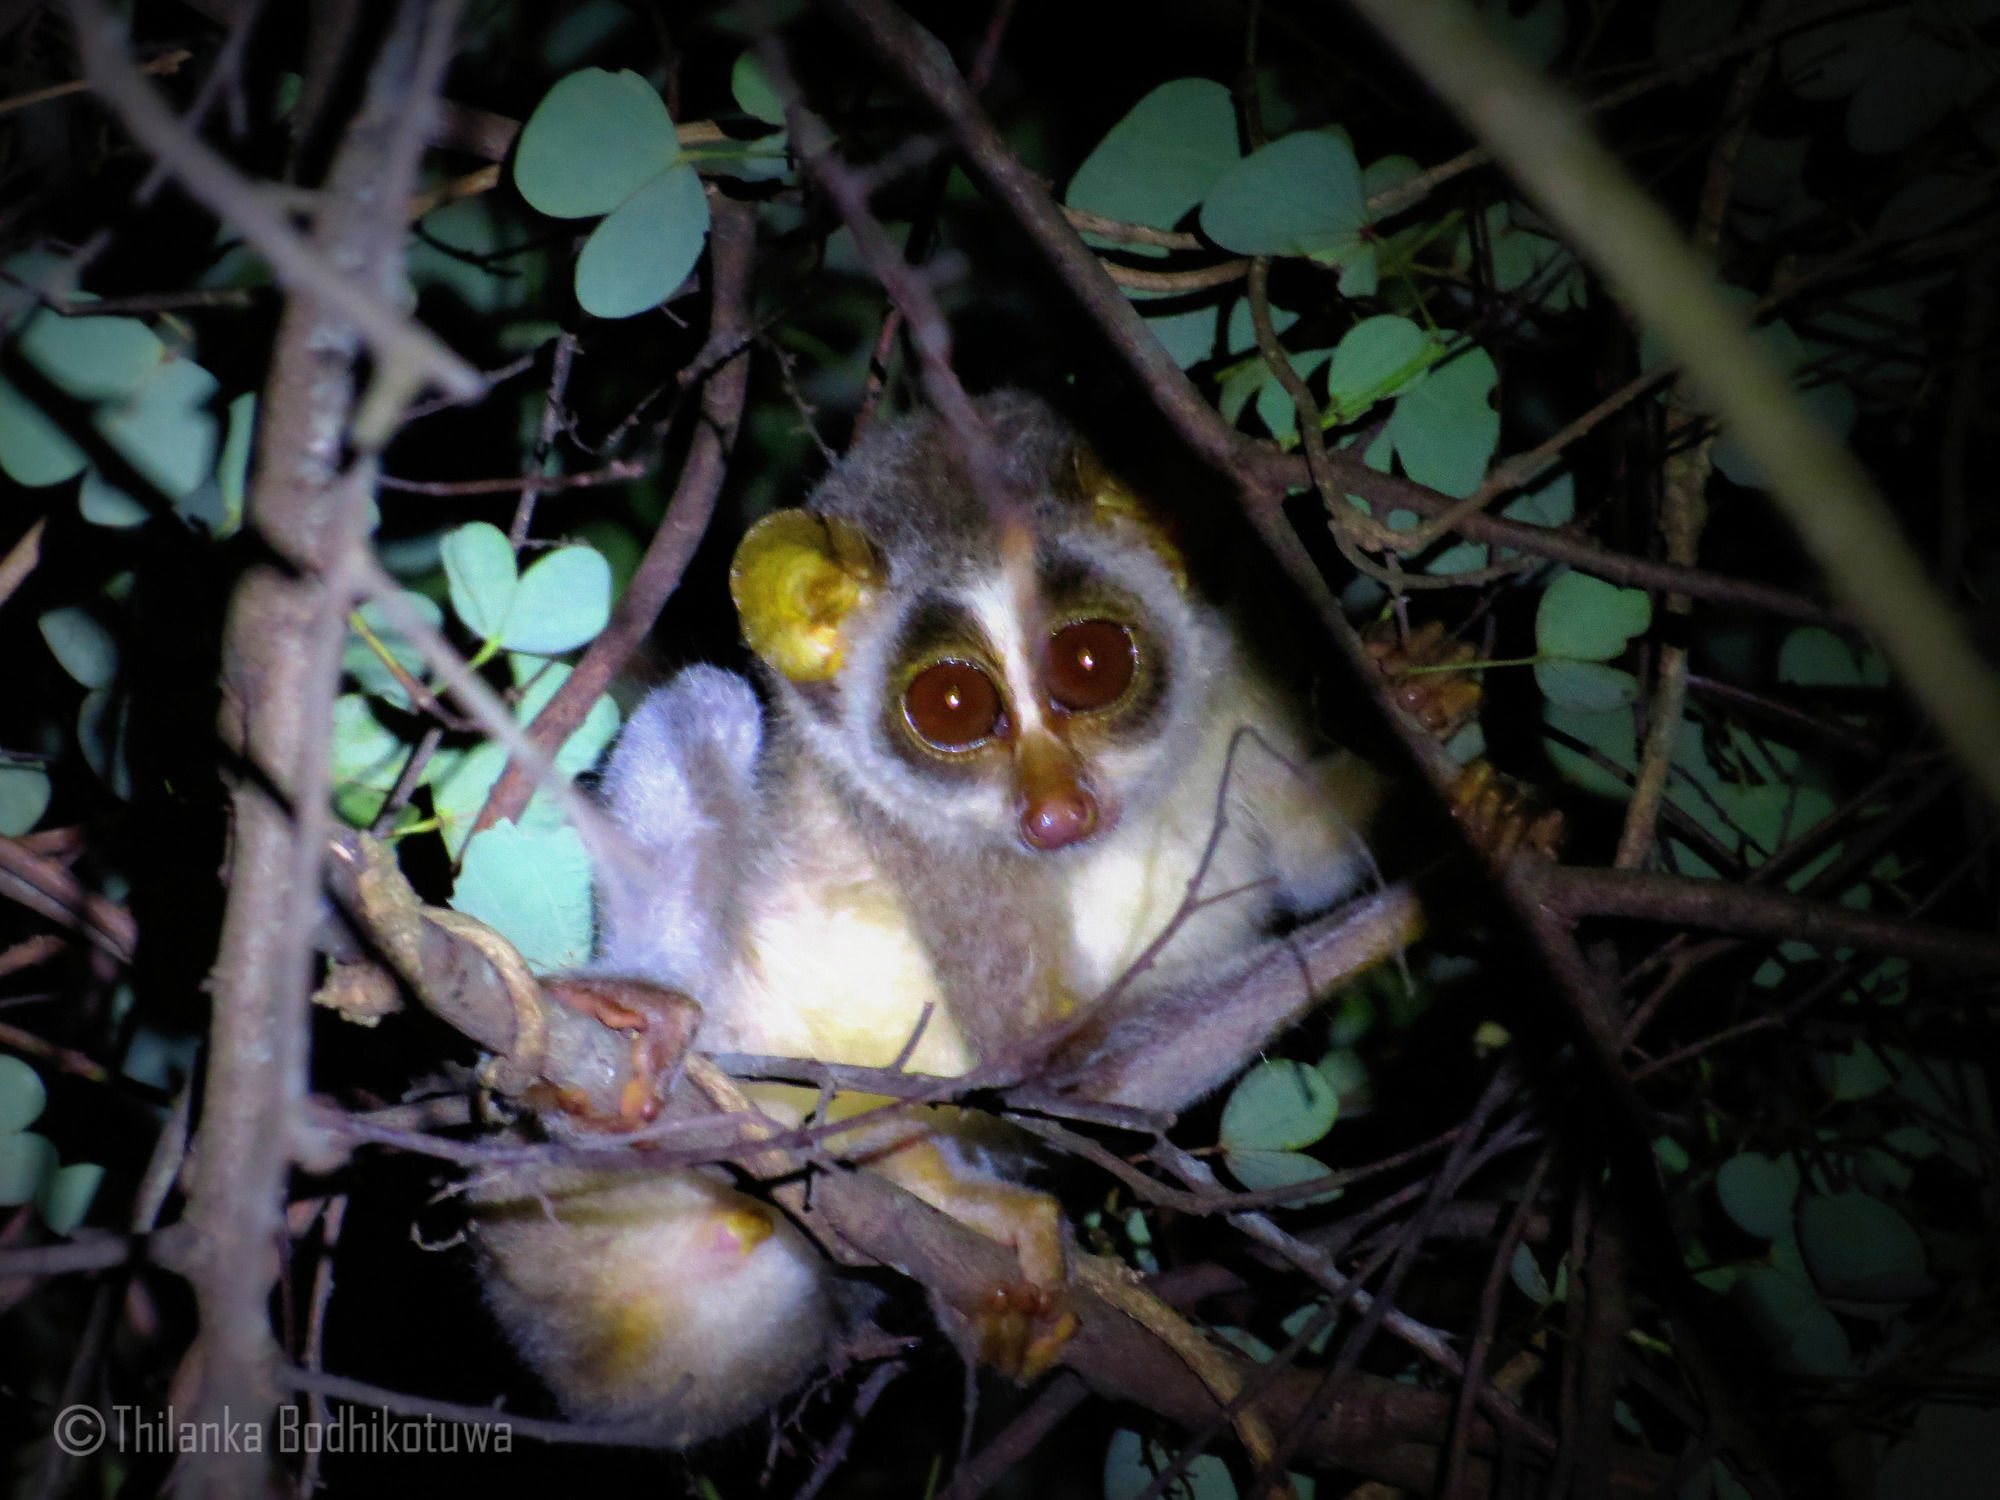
978, 694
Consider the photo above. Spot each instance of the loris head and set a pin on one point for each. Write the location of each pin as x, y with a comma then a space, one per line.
976, 689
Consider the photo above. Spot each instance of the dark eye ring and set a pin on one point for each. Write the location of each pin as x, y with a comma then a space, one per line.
952, 705
1090, 665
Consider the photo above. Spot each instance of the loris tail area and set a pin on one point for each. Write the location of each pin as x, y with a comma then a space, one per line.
996, 749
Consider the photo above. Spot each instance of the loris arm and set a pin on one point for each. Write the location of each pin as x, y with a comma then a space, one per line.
682, 783
1169, 1047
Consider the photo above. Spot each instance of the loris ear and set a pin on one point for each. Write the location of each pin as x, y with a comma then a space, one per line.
796, 578
1114, 504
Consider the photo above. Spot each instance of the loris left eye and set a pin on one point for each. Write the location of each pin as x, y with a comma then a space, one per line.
1090, 664
952, 705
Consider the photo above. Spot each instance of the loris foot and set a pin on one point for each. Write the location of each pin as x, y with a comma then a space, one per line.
660, 1022
1021, 1329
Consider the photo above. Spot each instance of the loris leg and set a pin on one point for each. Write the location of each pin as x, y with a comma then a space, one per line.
1020, 1328
661, 1300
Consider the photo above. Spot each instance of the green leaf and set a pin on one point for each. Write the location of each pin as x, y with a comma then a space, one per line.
361, 663
1586, 686
1670, 1153
1446, 429
1279, 1105
533, 887
1858, 1246
1346, 1074
1856, 1073
232, 473
479, 568
22, 1096
66, 1195
1261, 1170
1787, 1314
460, 783
1526, 1272
1611, 733
26, 1160
165, 431
34, 450
594, 140
1300, 195
1375, 358
1162, 158
1813, 656
646, 248
752, 90
1131, 1463
81, 644
24, 797
102, 503
92, 359
1586, 619
562, 601
103, 723
1758, 1193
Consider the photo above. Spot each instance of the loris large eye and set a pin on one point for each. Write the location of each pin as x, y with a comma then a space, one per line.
1090, 664
952, 706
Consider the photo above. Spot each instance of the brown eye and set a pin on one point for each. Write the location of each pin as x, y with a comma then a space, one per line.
1090, 664
952, 705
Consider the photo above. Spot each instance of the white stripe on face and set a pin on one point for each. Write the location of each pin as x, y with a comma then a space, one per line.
997, 604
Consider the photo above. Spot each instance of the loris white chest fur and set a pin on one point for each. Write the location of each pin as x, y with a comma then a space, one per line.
998, 752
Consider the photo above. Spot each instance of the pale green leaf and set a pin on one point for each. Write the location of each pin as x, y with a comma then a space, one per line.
24, 797
645, 248
1758, 1193
1279, 1105
561, 601
34, 450
533, 887
81, 644
26, 1160
1300, 195
1162, 158
592, 142
22, 1095
66, 1195
92, 359
479, 568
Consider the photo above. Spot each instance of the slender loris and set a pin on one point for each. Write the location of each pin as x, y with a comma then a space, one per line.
989, 769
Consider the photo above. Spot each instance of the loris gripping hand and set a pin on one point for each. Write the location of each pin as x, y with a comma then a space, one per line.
987, 779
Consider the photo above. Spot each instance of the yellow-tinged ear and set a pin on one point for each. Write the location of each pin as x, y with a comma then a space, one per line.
796, 578
1115, 504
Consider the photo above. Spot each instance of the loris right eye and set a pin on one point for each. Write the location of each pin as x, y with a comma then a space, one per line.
1090, 664
952, 705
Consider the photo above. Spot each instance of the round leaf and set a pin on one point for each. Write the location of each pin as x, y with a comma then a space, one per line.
1587, 619
1589, 687
1445, 430
646, 248
1787, 1314
34, 451
1856, 1073
165, 431
92, 359
83, 647
1261, 1170
479, 568
1374, 358
1279, 1105
752, 91
1858, 1246
24, 797
592, 142
22, 1096
1299, 195
66, 1195
26, 1161
1131, 1463
1158, 162
1813, 656
1757, 1193
102, 503
533, 887
562, 601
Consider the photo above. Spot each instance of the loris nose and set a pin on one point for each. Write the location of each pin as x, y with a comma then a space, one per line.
1057, 809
